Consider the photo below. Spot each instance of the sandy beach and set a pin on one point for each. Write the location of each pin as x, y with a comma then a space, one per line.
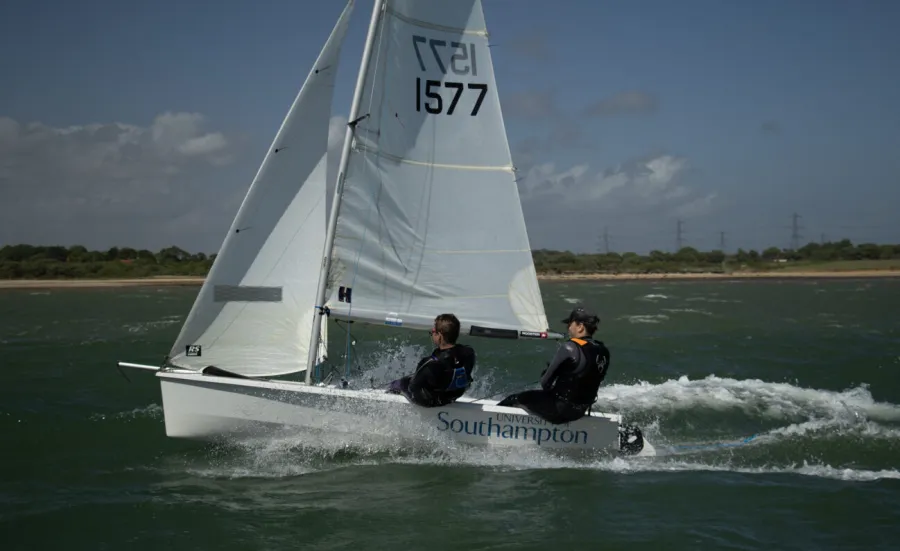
196, 280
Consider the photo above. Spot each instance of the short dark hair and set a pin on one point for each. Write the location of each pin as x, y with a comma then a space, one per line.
448, 326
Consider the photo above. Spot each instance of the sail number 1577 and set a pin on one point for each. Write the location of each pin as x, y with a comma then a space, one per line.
459, 57
435, 105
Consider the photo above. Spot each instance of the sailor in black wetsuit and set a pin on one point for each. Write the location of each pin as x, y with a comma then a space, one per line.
444, 376
569, 384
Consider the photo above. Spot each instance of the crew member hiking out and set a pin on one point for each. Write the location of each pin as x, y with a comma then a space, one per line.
569, 384
444, 376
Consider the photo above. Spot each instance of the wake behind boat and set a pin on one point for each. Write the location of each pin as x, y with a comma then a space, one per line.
425, 219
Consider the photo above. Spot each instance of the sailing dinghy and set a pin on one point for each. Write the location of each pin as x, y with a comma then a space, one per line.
425, 219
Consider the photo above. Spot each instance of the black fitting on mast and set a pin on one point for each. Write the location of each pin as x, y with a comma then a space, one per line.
354, 122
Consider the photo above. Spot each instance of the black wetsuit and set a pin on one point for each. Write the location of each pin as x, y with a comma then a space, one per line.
439, 379
569, 384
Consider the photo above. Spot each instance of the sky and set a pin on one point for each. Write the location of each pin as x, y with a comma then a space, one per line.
142, 124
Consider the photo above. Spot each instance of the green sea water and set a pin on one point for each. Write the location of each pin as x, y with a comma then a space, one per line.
810, 367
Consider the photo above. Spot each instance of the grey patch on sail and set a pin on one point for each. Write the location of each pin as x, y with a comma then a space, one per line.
246, 293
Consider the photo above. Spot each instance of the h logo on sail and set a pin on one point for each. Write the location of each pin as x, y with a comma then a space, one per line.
344, 294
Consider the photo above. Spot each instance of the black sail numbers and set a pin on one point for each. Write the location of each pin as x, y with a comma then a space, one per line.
443, 97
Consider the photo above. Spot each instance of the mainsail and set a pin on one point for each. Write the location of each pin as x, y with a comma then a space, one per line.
429, 219
254, 314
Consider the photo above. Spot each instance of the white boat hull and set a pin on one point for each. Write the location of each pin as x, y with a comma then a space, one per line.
206, 407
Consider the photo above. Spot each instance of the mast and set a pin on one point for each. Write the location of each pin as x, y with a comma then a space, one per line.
339, 187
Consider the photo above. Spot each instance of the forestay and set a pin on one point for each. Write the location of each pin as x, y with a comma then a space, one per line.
254, 313
430, 219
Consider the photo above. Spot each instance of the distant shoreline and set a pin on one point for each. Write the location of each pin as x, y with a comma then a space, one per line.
163, 281
170, 281
798, 274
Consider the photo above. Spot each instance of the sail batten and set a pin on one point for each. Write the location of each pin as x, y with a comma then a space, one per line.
368, 149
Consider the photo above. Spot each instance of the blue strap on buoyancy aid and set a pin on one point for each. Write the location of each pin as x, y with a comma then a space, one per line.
458, 379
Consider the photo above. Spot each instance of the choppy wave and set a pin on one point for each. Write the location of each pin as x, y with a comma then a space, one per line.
630, 466
808, 423
653, 297
767, 399
645, 318
282, 458
687, 311
144, 327
712, 299
152, 411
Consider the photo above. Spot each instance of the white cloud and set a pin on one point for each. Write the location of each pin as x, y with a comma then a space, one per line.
568, 207
151, 186
698, 207
96, 182
639, 183
204, 145
122, 184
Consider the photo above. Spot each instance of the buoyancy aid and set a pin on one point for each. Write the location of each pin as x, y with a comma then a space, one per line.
579, 384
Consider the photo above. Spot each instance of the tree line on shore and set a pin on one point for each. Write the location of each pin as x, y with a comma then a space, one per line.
59, 262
